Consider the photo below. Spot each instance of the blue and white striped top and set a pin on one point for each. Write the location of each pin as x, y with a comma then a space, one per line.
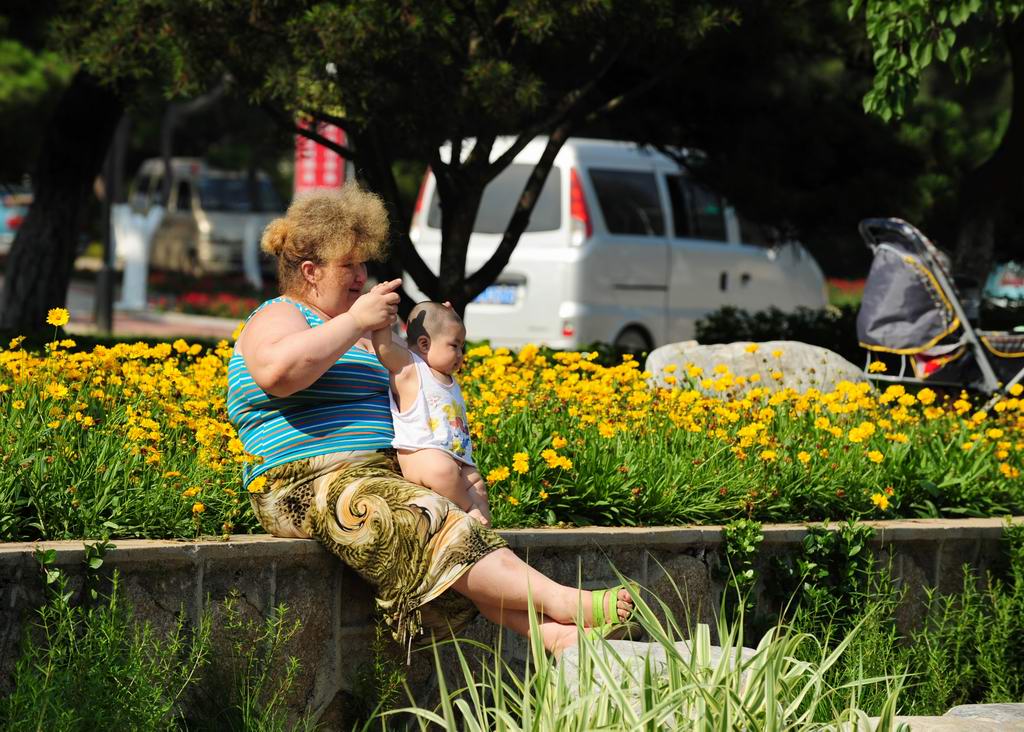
345, 409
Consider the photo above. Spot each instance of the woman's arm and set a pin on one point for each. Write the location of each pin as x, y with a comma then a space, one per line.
284, 355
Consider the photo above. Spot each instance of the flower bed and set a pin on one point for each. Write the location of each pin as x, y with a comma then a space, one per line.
133, 440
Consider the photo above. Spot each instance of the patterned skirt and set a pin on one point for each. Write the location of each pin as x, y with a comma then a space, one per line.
408, 542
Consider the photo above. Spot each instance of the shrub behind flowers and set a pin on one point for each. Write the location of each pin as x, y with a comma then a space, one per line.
133, 440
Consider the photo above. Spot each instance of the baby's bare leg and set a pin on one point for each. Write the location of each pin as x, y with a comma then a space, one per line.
475, 486
438, 471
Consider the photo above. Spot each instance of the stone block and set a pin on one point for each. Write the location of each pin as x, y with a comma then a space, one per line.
683, 583
1000, 713
627, 662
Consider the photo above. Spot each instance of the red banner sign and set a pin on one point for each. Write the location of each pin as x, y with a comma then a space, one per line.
315, 165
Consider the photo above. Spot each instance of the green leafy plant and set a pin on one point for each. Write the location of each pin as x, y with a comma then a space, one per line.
971, 648
696, 686
250, 682
93, 666
742, 539
378, 683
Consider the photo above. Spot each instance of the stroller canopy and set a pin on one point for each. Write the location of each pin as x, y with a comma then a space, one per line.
904, 309
911, 308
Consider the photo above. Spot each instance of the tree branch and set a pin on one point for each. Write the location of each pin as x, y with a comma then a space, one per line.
378, 166
567, 106
330, 119
493, 267
285, 121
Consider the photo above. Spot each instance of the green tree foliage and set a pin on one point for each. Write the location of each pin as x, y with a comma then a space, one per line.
402, 79
911, 36
30, 81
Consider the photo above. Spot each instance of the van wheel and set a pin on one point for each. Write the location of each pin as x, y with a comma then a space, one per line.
633, 340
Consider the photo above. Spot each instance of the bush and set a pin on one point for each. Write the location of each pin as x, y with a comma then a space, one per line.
834, 328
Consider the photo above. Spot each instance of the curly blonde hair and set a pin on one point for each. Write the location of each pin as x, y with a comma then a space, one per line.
324, 226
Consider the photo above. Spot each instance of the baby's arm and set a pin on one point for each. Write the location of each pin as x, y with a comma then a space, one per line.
393, 354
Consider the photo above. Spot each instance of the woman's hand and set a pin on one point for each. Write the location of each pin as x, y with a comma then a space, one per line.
377, 308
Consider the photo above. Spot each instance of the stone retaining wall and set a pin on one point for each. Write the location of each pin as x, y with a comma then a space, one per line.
679, 565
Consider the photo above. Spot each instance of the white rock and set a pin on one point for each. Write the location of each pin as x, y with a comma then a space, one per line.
777, 364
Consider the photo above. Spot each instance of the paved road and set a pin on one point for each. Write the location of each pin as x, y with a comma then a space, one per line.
147, 323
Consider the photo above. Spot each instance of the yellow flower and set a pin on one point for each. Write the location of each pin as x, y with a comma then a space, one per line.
768, 456
558, 442
513, 500
543, 495
198, 508
804, 457
822, 423
994, 433
1016, 390
194, 490
58, 317
876, 456
17, 404
606, 430
16, 341
751, 348
877, 367
498, 474
880, 500
777, 353
670, 369
926, 396
521, 462
257, 484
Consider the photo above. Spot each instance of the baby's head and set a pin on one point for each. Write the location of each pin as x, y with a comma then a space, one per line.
437, 335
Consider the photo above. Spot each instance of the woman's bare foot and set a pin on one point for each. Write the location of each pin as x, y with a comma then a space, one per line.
622, 608
560, 637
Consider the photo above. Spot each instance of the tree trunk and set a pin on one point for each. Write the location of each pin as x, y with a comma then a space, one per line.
998, 183
458, 213
74, 145
375, 166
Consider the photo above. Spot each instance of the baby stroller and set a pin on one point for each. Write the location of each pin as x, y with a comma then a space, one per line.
911, 309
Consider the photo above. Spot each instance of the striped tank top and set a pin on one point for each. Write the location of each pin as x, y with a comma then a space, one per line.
345, 409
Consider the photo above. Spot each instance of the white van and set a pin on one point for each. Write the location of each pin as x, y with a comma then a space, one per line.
622, 247
209, 213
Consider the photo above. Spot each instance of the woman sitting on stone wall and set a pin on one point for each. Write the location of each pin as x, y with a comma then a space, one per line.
309, 397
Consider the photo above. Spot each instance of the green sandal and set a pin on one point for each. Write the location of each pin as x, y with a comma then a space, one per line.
613, 628
623, 630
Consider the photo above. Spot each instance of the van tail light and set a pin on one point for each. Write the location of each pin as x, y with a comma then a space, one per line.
414, 225
580, 226
15, 221
419, 196
568, 329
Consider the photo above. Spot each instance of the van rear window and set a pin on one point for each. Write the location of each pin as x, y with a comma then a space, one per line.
500, 199
238, 194
629, 202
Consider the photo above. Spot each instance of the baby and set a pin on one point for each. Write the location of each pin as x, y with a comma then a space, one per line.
431, 434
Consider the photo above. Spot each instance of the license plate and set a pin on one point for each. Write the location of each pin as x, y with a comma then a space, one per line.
497, 295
